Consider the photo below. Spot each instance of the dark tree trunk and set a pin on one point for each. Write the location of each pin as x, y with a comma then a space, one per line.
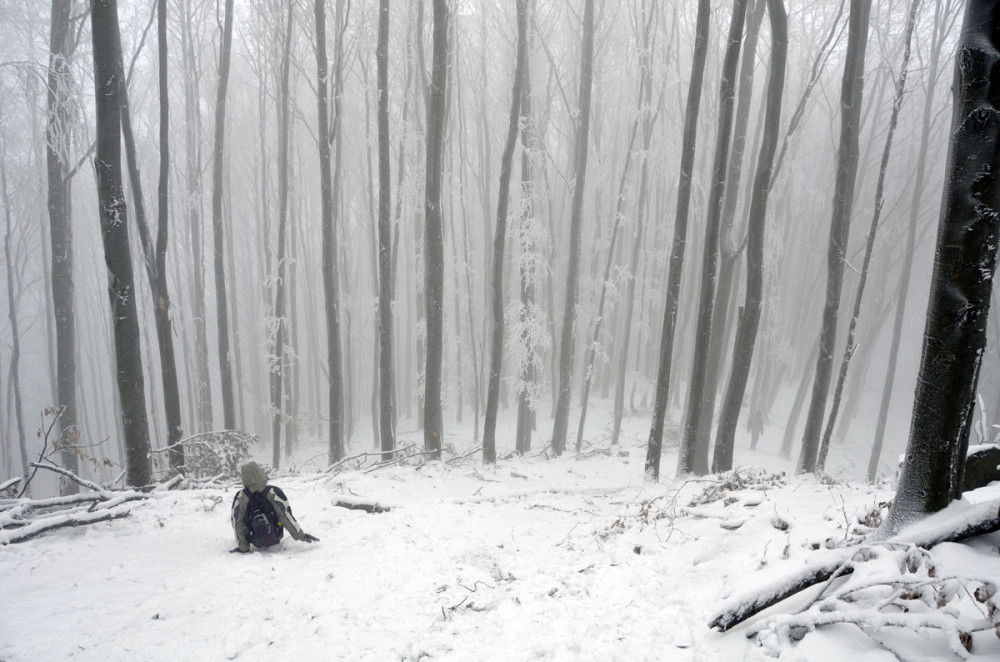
434, 237
331, 286
675, 267
218, 234
387, 380
114, 231
567, 340
746, 333
57, 142
155, 254
849, 346
500, 241
840, 224
693, 456
961, 284
15, 332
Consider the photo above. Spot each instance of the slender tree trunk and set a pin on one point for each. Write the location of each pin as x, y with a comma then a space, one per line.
843, 202
654, 446
434, 239
387, 380
849, 346
15, 332
962, 281
500, 240
192, 135
114, 230
277, 369
57, 142
746, 333
218, 235
916, 206
331, 286
694, 457
567, 340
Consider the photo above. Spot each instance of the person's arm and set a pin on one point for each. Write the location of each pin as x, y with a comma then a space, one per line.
239, 521
284, 511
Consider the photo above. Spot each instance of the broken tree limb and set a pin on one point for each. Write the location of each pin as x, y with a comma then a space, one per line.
73, 477
38, 527
950, 525
353, 503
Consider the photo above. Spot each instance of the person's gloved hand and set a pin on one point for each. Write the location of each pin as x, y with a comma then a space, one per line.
307, 537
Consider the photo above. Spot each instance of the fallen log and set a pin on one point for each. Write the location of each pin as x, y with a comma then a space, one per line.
37, 527
352, 503
949, 525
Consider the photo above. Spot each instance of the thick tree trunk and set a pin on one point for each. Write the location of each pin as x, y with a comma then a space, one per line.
675, 266
387, 380
434, 238
961, 284
57, 143
114, 231
746, 333
500, 240
694, 456
218, 234
567, 340
840, 225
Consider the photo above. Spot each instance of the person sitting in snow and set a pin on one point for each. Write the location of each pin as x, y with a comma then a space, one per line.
261, 512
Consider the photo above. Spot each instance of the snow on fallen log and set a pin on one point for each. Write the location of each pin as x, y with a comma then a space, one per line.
957, 522
356, 503
37, 527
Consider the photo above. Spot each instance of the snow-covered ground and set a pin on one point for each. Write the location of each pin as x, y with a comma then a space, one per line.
537, 558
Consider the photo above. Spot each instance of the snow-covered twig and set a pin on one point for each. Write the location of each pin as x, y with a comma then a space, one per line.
73, 477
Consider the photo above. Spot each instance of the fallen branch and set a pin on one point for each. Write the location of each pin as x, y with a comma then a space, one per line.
938, 528
38, 527
372, 507
73, 477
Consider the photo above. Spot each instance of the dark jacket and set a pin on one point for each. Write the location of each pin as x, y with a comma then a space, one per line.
255, 480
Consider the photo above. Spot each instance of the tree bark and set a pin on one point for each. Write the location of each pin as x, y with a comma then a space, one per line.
57, 143
654, 446
500, 241
746, 333
693, 456
567, 340
331, 286
961, 284
114, 231
434, 238
218, 234
843, 202
387, 381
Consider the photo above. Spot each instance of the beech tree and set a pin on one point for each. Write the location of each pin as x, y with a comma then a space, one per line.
386, 376
962, 280
114, 231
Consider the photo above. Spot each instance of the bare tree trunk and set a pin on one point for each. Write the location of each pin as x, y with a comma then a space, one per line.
277, 368
114, 229
218, 235
57, 141
567, 340
746, 333
500, 240
693, 456
961, 284
434, 240
331, 286
843, 202
654, 446
387, 380
15, 332
937, 41
849, 346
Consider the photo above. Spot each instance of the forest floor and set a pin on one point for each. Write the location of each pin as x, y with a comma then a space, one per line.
573, 558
